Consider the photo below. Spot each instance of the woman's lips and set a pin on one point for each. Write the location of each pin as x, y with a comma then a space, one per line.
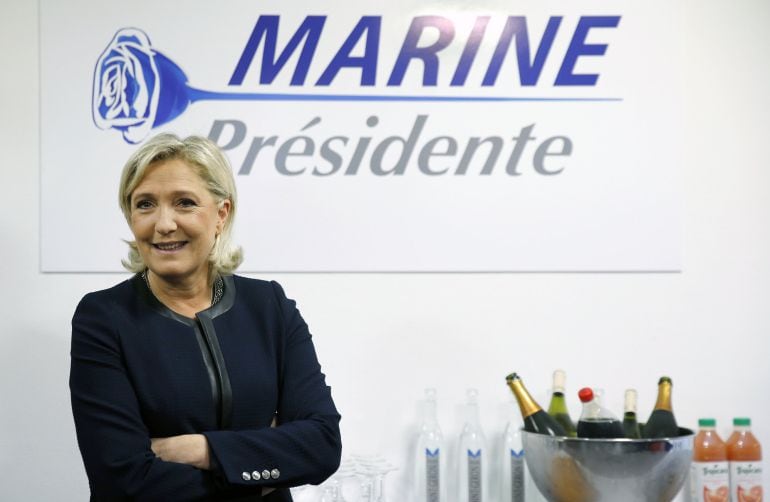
169, 247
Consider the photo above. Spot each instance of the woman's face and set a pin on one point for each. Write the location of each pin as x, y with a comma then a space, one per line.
175, 221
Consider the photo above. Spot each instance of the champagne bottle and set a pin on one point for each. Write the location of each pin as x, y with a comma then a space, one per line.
558, 406
535, 419
596, 421
630, 425
662, 423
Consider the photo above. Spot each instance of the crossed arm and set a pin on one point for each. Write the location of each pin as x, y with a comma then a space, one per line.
190, 449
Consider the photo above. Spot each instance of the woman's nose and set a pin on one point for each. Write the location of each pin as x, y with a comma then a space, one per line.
166, 222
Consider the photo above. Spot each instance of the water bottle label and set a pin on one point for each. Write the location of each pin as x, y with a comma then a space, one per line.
517, 476
474, 476
432, 473
709, 481
746, 481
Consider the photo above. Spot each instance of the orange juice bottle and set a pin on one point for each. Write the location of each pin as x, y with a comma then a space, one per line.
745, 455
709, 474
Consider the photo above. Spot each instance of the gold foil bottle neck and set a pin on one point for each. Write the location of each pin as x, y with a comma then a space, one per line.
664, 395
527, 405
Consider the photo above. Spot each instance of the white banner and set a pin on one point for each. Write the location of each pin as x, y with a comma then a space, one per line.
370, 136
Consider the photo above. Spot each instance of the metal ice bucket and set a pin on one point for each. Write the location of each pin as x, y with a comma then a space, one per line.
608, 470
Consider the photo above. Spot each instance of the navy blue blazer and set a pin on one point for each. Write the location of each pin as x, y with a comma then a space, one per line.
139, 370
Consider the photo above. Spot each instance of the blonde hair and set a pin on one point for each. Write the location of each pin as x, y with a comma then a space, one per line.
211, 165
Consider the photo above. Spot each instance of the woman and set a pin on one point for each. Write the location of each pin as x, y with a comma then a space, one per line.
179, 372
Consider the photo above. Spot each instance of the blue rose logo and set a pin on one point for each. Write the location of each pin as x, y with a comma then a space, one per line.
136, 88
127, 85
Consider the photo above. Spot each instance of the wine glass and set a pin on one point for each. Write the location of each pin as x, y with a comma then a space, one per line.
371, 470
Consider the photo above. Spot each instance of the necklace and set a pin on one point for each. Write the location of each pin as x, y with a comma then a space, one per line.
217, 290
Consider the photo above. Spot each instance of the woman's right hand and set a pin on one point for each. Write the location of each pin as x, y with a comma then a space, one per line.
190, 449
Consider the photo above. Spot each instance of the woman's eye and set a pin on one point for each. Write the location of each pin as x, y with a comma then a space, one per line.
143, 204
187, 203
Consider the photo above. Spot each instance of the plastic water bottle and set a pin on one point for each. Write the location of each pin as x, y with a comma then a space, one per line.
596, 421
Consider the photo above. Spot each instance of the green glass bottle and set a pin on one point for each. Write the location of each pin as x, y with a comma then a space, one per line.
662, 423
535, 419
558, 406
630, 425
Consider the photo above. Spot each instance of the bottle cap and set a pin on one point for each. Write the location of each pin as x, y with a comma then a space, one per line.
559, 379
707, 422
742, 421
665, 379
585, 394
513, 376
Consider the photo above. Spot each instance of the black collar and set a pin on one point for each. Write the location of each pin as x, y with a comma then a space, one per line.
219, 308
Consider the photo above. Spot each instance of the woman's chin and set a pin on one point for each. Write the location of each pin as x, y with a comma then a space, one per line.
175, 273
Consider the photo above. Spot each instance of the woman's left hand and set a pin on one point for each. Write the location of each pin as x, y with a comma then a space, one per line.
190, 449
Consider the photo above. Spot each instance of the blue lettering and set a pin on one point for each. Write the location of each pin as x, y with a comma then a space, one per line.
409, 49
470, 50
578, 47
267, 28
369, 25
425, 39
529, 73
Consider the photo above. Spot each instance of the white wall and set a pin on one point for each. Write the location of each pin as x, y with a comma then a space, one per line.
383, 337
